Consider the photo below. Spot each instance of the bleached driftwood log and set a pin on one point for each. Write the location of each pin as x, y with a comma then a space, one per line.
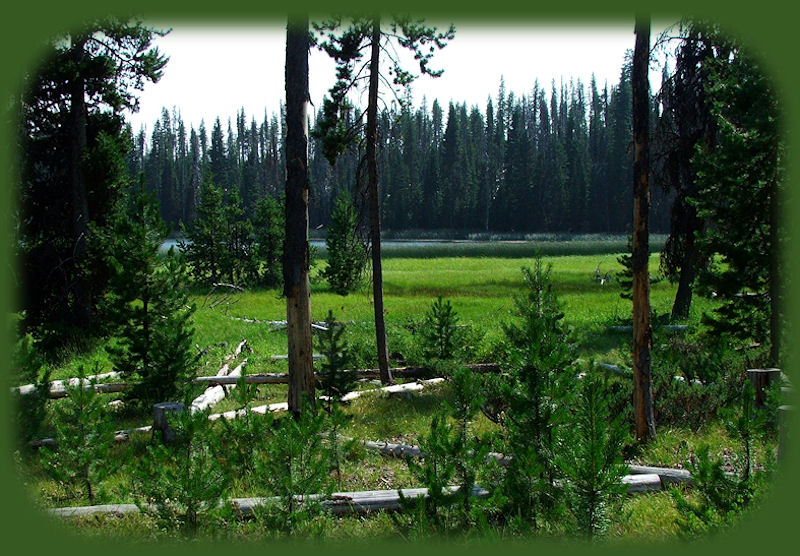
57, 386
215, 394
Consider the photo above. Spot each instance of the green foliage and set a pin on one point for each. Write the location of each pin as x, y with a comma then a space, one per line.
743, 425
206, 247
710, 375
30, 410
467, 450
182, 484
338, 377
439, 332
268, 230
740, 182
84, 436
590, 457
149, 304
723, 496
347, 255
246, 432
65, 200
537, 386
294, 464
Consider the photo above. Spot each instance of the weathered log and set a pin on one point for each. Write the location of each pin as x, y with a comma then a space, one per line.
315, 357
663, 327
214, 394
105, 388
61, 385
242, 345
161, 413
642, 483
761, 379
339, 503
397, 372
667, 474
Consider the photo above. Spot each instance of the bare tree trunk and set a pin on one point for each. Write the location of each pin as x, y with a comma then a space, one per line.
374, 204
683, 296
642, 332
82, 304
295, 247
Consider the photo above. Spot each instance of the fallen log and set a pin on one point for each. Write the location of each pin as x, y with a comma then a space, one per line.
214, 394
61, 385
105, 388
397, 372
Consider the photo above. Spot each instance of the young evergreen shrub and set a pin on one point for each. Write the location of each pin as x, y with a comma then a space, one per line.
205, 245
435, 472
182, 484
439, 331
269, 230
338, 378
540, 375
30, 410
467, 450
244, 435
590, 457
293, 465
347, 256
149, 304
84, 436
722, 496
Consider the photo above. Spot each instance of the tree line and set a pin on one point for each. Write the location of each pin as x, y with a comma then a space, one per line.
554, 161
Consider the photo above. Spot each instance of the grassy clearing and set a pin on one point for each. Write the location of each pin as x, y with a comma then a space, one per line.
481, 291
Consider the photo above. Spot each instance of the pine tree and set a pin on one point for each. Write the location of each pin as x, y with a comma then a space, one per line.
84, 436
539, 362
347, 256
740, 183
268, 232
205, 244
149, 305
590, 457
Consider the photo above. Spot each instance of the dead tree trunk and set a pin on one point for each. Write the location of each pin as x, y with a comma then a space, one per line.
295, 248
374, 204
642, 332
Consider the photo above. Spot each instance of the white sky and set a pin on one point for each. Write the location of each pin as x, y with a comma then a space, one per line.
215, 71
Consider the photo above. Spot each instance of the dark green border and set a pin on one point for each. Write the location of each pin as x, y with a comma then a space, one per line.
767, 25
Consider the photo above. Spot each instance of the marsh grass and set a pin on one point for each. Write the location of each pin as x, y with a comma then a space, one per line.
480, 288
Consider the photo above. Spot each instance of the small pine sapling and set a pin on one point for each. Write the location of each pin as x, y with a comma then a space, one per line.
150, 306
540, 376
439, 331
181, 484
269, 229
590, 457
337, 381
246, 432
84, 437
467, 451
347, 255
435, 471
294, 465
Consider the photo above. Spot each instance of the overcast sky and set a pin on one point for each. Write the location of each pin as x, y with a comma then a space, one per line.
215, 71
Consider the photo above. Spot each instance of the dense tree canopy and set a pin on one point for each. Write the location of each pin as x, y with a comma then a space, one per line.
539, 162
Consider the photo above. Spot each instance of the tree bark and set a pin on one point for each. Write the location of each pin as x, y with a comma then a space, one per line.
374, 204
295, 249
642, 332
82, 303
683, 296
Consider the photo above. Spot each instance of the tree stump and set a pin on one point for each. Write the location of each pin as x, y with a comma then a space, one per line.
761, 379
161, 413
